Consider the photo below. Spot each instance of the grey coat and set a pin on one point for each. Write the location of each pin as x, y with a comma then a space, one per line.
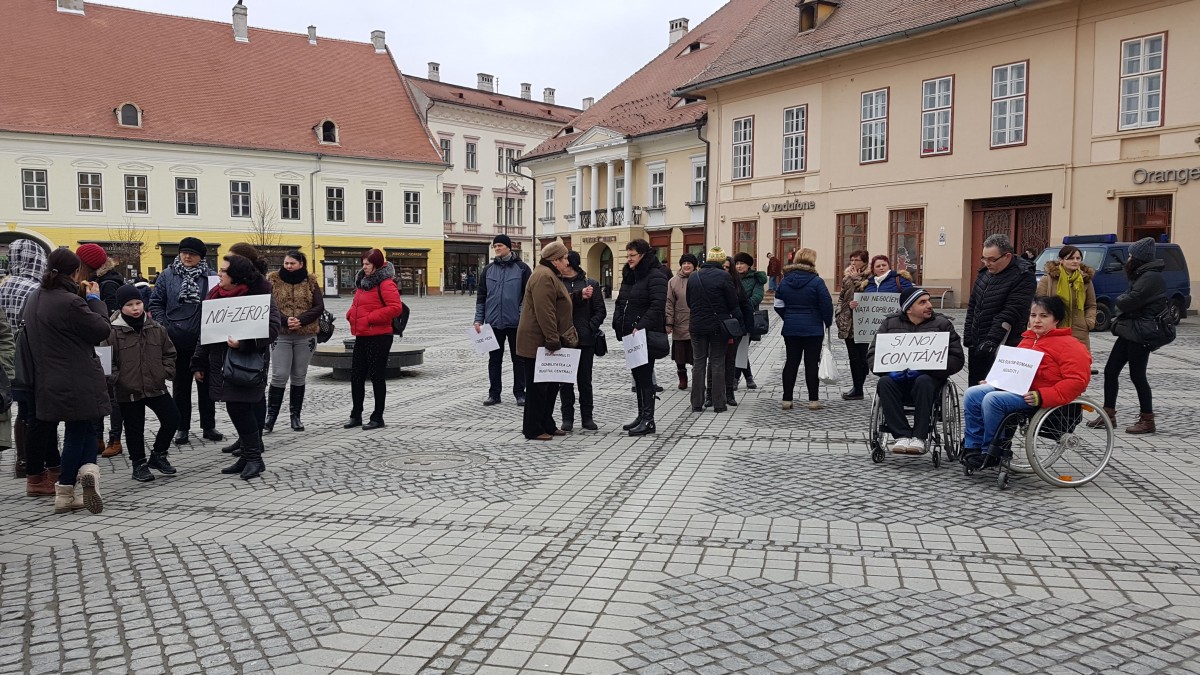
63, 332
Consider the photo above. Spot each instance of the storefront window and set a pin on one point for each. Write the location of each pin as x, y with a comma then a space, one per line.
1146, 217
906, 231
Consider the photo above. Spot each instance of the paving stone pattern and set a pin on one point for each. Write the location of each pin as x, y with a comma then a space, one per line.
753, 541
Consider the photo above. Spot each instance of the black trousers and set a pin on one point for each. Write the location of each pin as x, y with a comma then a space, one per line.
370, 360
133, 414
708, 354
807, 349
922, 393
246, 424
41, 438
496, 358
583, 380
1138, 358
181, 390
979, 364
538, 414
858, 363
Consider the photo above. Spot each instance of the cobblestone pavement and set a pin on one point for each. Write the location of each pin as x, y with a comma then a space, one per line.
754, 541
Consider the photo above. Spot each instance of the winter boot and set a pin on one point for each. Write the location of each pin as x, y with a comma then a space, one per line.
568, 418
65, 499
89, 479
159, 462
39, 484
683, 384
274, 403
254, 464
295, 405
236, 467
640, 408
19, 428
708, 397
141, 473
1144, 425
1099, 422
234, 448
729, 399
750, 383
646, 426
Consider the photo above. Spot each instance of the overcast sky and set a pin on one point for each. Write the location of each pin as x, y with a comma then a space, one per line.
579, 48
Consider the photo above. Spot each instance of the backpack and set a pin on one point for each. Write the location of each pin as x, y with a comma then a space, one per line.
400, 322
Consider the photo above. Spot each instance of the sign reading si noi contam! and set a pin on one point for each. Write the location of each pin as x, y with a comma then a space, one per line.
1181, 176
790, 205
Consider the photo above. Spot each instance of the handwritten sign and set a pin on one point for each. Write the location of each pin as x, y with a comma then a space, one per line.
105, 354
636, 353
561, 366
242, 318
1014, 369
911, 351
872, 309
484, 341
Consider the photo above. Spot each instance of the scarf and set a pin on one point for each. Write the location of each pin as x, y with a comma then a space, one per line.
297, 277
238, 290
135, 324
1070, 289
368, 282
189, 289
879, 280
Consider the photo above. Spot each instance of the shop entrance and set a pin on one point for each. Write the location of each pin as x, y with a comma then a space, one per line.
787, 239
606, 269
1026, 221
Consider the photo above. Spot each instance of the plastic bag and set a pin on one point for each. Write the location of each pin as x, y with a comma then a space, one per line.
827, 372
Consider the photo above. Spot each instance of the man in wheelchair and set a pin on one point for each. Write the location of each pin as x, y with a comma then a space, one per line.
1062, 376
919, 389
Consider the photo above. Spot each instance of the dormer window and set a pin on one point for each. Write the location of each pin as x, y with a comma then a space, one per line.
813, 13
129, 115
693, 48
808, 18
327, 132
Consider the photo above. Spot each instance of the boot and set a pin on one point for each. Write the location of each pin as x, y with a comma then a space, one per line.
159, 462
236, 467
708, 397
294, 406
141, 473
568, 418
640, 408
89, 479
729, 399
274, 403
19, 428
683, 378
646, 426
112, 449
38, 485
233, 448
254, 464
65, 499
750, 383
1144, 425
1098, 422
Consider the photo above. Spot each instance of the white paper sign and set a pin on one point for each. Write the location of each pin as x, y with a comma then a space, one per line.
636, 353
911, 351
561, 366
1014, 369
872, 309
214, 281
105, 354
242, 318
742, 358
484, 341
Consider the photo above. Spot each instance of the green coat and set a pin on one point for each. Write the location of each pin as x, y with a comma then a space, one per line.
754, 283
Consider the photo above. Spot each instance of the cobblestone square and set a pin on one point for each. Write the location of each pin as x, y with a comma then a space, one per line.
754, 541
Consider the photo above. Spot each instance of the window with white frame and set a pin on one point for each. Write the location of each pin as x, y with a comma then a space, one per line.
446, 150
90, 192
447, 207
620, 190
743, 148
937, 111
289, 201
700, 183
35, 189
186, 197
472, 215
795, 138
873, 131
239, 199
520, 212
548, 193
137, 199
412, 207
658, 178
374, 206
499, 210
505, 158
472, 156
1009, 89
510, 211
335, 204
571, 190
1142, 81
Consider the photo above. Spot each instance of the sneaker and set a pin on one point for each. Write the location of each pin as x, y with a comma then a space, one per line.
160, 463
213, 435
787, 405
916, 446
520, 401
815, 405
141, 473
901, 446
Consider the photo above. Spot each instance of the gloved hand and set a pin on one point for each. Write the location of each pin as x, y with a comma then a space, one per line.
987, 346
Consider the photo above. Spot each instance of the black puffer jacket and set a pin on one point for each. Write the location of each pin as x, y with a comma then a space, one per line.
587, 315
712, 298
643, 298
1146, 298
997, 299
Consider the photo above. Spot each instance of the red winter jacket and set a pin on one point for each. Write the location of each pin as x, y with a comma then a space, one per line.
1066, 368
371, 313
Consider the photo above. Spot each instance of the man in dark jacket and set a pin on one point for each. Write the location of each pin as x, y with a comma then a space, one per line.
712, 298
919, 388
1002, 294
501, 288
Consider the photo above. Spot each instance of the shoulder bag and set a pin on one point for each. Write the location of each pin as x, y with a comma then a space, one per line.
731, 328
244, 369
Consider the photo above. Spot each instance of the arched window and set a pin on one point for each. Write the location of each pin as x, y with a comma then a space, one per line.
328, 132
129, 116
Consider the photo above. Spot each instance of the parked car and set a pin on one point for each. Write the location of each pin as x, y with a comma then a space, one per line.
1106, 255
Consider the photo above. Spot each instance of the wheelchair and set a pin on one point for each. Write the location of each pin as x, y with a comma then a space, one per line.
945, 427
1060, 447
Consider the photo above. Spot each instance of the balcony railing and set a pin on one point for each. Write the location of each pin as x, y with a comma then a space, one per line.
618, 217
601, 218
585, 219
461, 228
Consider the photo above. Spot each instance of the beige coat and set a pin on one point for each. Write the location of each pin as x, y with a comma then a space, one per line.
546, 315
1081, 323
679, 315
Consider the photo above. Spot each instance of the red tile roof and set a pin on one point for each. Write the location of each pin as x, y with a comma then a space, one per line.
64, 74
643, 103
770, 40
486, 100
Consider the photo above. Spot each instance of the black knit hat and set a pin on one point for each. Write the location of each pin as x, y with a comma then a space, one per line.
193, 245
743, 257
127, 293
689, 258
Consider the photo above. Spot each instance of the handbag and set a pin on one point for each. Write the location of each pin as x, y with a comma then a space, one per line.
324, 327
657, 344
600, 348
244, 369
762, 324
731, 328
827, 371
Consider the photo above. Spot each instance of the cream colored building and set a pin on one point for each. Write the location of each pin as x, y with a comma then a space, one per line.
917, 132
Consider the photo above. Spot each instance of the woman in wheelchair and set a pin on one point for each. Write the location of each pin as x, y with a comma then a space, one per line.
1062, 376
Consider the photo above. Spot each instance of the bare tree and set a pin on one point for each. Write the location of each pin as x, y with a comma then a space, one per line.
127, 242
264, 225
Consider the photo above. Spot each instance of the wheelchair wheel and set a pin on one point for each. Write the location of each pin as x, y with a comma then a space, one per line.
877, 455
937, 458
951, 422
1002, 479
1063, 450
875, 437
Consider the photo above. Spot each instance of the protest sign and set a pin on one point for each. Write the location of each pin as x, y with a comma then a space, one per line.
911, 351
741, 358
105, 354
484, 341
561, 366
1014, 369
872, 309
242, 318
636, 353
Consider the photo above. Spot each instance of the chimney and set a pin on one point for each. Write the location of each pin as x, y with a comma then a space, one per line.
312, 35
240, 28
378, 41
679, 28
526, 90
486, 82
71, 6
587, 102
548, 95
435, 71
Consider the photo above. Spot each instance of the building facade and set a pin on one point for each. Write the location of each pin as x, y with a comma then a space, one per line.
920, 132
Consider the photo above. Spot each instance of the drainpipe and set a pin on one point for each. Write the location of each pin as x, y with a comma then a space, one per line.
312, 211
707, 157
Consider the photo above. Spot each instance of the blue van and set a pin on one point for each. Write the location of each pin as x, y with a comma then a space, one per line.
1106, 255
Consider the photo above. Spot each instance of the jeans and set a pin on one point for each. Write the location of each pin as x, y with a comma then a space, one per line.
79, 448
1138, 358
708, 351
583, 380
370, 360
921, 393
537, 418
134, 414
244, 421
496, 357
806, 348
984, 409
290, 356
858, 363
181, 389
41, 437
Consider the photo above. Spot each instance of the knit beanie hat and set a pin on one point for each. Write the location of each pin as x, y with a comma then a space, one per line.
193, 245
93, 255
573, 259
909, 297
554, 250
716, 254
1141, 250
743, 257
502, 239
689, 258
126, 293
375, 257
